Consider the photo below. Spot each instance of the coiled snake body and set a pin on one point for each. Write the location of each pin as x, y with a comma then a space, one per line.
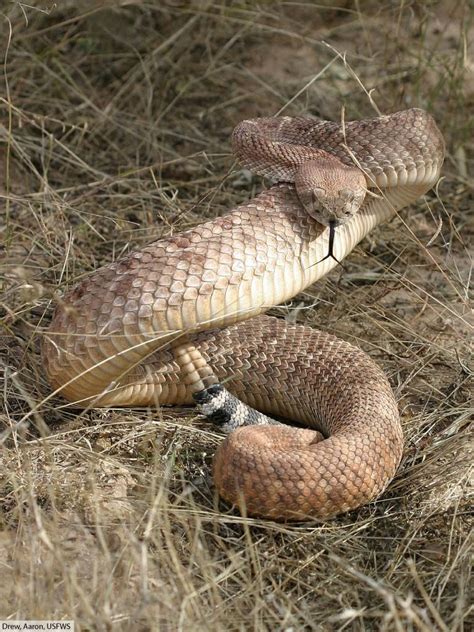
147, 329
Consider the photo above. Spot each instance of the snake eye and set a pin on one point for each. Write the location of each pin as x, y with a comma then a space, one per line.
318, 192
316, 195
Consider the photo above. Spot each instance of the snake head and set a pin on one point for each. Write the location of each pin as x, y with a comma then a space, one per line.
330, 193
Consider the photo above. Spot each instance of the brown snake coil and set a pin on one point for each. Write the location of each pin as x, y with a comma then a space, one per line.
143, 330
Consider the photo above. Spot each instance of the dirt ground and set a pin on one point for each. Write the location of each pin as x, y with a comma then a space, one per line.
115, 127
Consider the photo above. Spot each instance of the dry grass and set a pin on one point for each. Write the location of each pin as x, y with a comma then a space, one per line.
115, 132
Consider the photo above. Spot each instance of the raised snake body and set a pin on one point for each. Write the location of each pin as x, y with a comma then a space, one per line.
145, 330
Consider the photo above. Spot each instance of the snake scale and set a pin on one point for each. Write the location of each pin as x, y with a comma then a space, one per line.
181, 319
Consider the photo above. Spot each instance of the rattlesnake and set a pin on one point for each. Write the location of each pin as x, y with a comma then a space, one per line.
147, 329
